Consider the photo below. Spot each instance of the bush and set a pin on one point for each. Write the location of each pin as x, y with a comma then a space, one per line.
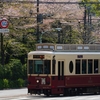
1, 72
16, 69
11, 84
20, 82
1, 84
13, 75
5, 83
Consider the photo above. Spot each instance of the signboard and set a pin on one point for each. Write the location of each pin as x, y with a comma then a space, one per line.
3, 23
4, 30
4, 26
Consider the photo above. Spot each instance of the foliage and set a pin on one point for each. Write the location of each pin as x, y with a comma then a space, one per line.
1, 83
1, 72
94, 8
68, 34
16, 44
5, 83
20, 82
16, 68
22, 38
24, 71
13, 75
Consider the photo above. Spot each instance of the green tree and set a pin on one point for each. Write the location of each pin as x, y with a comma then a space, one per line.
24, 71
20, 83
1, 72
5, 83
94, 8
16, 68
1, 83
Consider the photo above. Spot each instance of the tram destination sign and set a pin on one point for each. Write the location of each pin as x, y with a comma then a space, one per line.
4, 30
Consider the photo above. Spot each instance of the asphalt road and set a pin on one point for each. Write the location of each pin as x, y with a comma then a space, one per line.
13, 92
21, 94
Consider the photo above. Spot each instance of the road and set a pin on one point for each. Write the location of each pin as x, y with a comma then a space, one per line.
13, 93
21, 94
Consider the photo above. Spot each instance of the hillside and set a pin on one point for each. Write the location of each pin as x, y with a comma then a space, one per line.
68, 11
71, 14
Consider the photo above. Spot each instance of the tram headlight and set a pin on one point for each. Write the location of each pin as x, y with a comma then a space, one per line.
37, 81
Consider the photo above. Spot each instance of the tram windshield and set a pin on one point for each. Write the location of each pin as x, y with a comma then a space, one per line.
39, 66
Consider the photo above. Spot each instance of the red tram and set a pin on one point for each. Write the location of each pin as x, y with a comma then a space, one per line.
67, 69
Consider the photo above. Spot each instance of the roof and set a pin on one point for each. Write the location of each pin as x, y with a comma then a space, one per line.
68, 47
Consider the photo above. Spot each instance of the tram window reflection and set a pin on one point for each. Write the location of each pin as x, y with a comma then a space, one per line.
90, 66
95, 66
53, 66
40, 66
83, 66
47, 64
30, 66
77, 66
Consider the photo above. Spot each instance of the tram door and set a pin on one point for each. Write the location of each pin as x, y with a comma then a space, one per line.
60, 73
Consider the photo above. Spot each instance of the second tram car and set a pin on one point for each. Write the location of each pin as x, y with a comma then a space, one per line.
67, 69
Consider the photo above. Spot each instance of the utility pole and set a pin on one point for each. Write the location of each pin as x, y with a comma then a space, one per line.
89, 25
38, 33
59, 31
70, 34
2, 50
84, 32
1, 35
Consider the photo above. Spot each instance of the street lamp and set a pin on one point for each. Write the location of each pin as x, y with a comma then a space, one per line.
41, 36
59, 30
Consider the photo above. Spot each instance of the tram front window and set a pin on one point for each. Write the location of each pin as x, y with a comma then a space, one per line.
40, 67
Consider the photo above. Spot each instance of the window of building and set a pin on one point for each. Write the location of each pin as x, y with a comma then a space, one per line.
78, 62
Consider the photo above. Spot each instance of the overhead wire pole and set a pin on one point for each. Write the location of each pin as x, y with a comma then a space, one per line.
2, 50
1, 35
84, 32
38, 33
89, 33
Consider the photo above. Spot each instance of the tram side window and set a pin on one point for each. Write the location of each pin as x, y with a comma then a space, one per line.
83, 66
30, 66
53, 66
90, 66
47, 64
62, 70
77, 67
96, 66
58, 70
38, 67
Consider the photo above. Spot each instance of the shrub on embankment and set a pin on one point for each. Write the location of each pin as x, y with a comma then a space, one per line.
13, 75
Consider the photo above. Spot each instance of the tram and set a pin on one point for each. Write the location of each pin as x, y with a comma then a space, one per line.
68, 69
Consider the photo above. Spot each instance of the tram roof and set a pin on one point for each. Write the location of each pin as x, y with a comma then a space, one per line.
62, 53
68, 47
